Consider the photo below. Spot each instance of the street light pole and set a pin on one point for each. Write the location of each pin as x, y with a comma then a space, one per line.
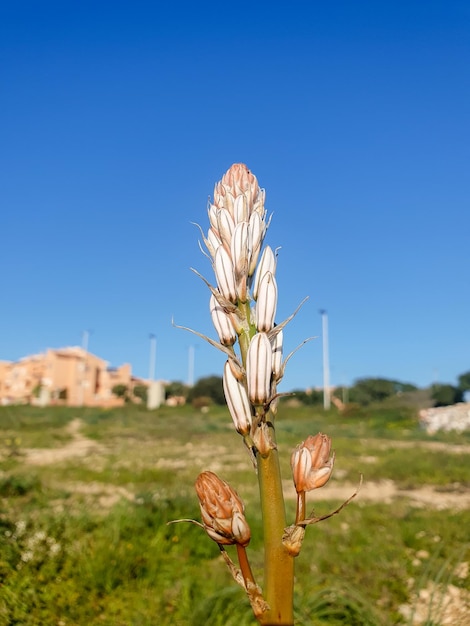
85, 339
81, 388
326, 364
191, 366
153, 356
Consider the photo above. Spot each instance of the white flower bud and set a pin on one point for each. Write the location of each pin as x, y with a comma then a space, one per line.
237, 369
257, 230
266, 303
240, 249
266, 264
240, 256
240, 210
223, 269
225, 227
212, 242
223, 198
276, 343
237, 401
259, 369
212, 212
258, 206
222, 323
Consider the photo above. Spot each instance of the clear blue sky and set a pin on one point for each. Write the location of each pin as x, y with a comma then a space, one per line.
117, 118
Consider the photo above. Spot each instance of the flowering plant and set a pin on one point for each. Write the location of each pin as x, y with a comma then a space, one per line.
243, 305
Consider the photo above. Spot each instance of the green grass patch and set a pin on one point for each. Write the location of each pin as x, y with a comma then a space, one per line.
85, 540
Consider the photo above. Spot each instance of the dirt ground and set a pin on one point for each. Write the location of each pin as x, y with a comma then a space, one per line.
380, 491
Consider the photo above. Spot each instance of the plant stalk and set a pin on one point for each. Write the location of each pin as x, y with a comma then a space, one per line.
278, 590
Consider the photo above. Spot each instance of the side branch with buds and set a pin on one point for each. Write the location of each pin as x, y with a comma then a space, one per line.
243, 305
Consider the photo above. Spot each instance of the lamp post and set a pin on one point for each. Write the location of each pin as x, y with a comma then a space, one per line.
81, 388
191, 366
326, 364
155, 391
85, 340
153, 356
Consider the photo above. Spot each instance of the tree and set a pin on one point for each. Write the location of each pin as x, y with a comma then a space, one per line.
464, 381
210, 387
140, 391
308, 397
366, 390
120, 391
176, 389
444, 395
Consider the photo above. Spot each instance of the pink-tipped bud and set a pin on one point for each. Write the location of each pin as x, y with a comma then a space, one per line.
223, 268
222, 323
259, 369
311, 463
267, 303
223, 513
267, 264
239, 180
237, 401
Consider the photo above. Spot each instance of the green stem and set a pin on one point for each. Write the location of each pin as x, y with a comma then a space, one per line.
278, 588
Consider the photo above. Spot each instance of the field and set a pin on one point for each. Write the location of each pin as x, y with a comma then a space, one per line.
87, 494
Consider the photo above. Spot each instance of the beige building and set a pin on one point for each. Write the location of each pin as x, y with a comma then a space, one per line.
68, 376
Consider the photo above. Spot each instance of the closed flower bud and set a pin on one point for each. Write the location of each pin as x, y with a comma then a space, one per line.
239, 180
311, 463
212, 213
266, 264
222, 323
259, 369
240, 210
240, 257
258, 206
257, 231
236, 369
223, 198
237, 401
223, 513
212, 242
276, 343
225, 226
223, 268
267, 303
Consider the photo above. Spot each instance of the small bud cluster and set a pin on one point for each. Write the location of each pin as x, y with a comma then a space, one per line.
244, 301
222, 511
311, 463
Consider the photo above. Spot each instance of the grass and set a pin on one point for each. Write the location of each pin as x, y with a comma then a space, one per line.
85, 540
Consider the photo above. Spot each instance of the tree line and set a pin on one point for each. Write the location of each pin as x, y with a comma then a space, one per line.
364, 391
